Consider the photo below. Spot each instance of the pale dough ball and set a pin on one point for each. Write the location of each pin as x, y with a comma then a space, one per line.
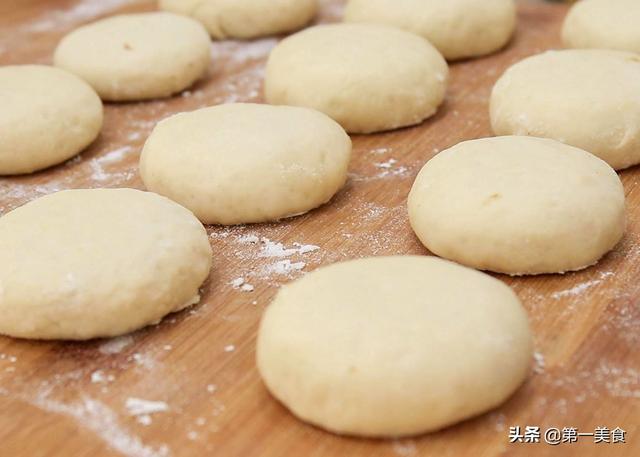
243, 163
46, 116
458, 28
137, 56
83, 264
610, 24
518, 205
367, 77
245, 18
586, 98
392, 346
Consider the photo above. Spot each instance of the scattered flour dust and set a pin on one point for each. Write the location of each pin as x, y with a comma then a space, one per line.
241, 284
283, 267
577, 290
58, 19
116, 345
389, 168
97, 417
539, 362
100, 377
404, 448
138, 406
241, 52
114, 156
273, 249
285, 260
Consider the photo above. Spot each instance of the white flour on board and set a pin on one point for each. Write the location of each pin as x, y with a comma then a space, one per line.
103, 422
138, 406
241, 52
578, 289
539, 362
114, 156
63, 18
116, 345
99, 376
274, 249
404, 448
283, 260
240, 283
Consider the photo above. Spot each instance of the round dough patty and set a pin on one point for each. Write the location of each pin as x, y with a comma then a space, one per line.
392, 346
137, 56
609, 24
367, 77
518, 205
458, 28
243, 163
245, 18
46, 117
585, 98
83, 264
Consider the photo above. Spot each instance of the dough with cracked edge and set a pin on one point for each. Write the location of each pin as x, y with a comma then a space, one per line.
81, 264
367, 77
458, 28
137, 56
393, 346
46, 117
245, 18
585, 98
244, 163
518, 205
605, 24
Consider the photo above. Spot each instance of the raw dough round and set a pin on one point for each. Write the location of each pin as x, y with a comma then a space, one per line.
585, 98
46, 116
518, 205
245, 18
458, 28
609, 24
392, 346
83, 264
137, 56
243, 163
367, 77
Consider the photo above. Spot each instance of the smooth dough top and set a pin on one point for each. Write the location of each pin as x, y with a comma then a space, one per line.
137, 56
243, 163
392, 346
366, 77
458, 28
245, 18
518, 205
607, 24
46, 116
83, 264
585, 98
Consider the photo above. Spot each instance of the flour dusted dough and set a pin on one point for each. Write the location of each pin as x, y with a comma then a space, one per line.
585, 98
611, 24
367, 77
458, 28
245, 18
518, 205
242, 163
82, 264
137, 56
392, 346
46, 116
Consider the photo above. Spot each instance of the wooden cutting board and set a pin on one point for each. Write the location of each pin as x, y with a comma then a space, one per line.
79, 399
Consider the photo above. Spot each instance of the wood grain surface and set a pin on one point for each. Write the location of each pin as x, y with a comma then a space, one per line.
70, 399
